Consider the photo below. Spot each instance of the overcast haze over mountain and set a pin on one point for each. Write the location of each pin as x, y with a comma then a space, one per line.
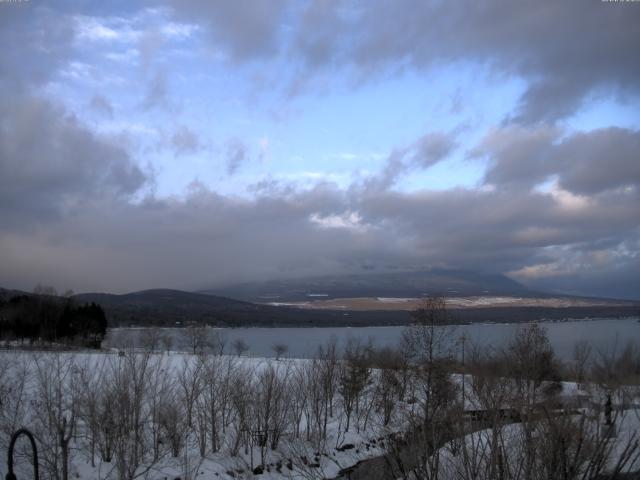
194, 144
396, 284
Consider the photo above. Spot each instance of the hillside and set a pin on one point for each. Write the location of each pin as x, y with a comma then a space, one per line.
171, 307
394, 284
177, 308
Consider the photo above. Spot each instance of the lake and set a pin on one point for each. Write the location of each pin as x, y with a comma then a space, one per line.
602, 334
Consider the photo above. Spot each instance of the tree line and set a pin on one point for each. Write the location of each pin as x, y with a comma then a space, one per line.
45, 318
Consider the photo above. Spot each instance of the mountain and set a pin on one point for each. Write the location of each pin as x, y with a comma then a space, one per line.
172, 307
6, 294
394, 284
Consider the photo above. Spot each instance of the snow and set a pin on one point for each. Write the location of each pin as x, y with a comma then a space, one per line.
329, 457
325, 460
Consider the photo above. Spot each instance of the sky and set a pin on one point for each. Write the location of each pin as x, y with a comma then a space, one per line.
192, 144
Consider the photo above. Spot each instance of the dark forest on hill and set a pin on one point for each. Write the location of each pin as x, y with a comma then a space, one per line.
48, 319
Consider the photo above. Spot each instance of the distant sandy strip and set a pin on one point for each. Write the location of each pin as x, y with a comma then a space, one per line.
381, 303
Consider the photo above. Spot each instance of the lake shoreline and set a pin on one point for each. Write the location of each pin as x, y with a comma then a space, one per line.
303, 342
383, 325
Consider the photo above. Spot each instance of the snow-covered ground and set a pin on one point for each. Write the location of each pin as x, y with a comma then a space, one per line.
294, 457
32, 397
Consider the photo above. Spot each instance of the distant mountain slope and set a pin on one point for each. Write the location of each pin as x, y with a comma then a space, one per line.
395, 284
6, 294
166, 307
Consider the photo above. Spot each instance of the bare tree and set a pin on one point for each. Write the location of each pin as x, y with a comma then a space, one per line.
242, 396
167, 342
270, 407
354, 377
160, 391
217, 341
128, 414
390, 380
581, 360
151, 338
299, 396
56, 412
91, 377
14, 385
279, 349
215, 400
197, 338
240, 347
428, 342
189, 384
171, 420
532, 364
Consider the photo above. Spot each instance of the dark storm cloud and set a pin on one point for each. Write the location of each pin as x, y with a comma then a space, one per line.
564, 50
70, 199
518, 157
244, 29
208, 238
50, 163
584, 163
599, 160
609, 279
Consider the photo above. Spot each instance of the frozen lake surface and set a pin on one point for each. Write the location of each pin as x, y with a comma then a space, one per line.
602, 334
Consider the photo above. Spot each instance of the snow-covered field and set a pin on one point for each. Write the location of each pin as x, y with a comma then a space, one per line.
176, 415
159, 389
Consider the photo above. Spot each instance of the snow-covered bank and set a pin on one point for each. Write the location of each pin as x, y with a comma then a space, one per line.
131, 414
177, 415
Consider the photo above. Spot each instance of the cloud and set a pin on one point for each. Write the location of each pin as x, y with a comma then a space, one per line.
35, 42
236, 154
51, 164
101, 105
185, 141
583, 163
564, 51
519, 157
601, 272
432, 148
558, 208
243, 29
206, 238
157, 91
603, 159
428, 150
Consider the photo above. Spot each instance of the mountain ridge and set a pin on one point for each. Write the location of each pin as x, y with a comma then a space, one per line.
385, 284
170, 307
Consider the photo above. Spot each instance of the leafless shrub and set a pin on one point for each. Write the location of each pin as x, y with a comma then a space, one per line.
56, 410
279, 349
189, 378
240, 347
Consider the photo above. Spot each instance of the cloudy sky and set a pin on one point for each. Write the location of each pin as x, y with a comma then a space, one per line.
191, 143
